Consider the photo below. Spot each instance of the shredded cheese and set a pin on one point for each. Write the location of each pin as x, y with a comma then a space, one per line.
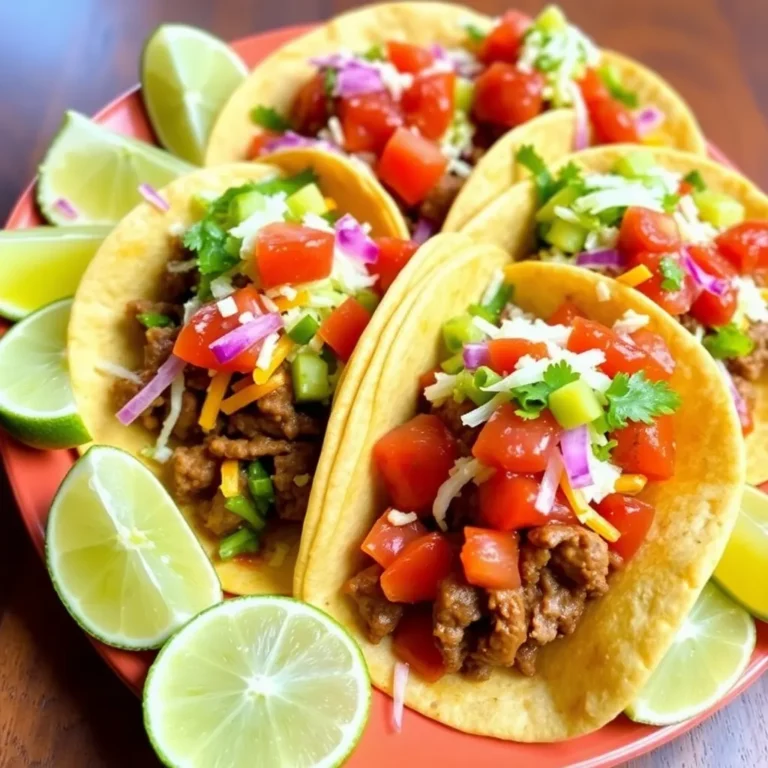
603, 291
585, 514
161, 452
230, 478
631, 484
282, 349
216, 391
635, 276
397, 518
283, 303
249, 395
227, 307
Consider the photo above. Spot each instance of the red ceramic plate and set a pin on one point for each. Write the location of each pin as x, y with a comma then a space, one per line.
35, 476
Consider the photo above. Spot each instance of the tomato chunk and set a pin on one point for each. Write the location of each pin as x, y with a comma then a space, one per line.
709, 308
428, 103
676, 302
504, 353
655, 346
631, 517
745, 246
291, 253
565, 314
406, 57
512, 443
311, 107
646, 230
490, 558
342, 329
503, 42
613, 122
621, 355
207, 324
507, 502
368, 121
411, 165
414, 643
385, 541
592, 87
646, 449
414, 460
258, 142
394, 254
413, 576
506, 96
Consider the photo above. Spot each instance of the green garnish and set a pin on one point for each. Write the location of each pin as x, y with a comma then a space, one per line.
474, 33
330, 76
243, 507
612, 82
491, 310
672, 273
636, 398
269, 118
154, 320
260, 486
603, 452
695, 179
728, 341
558, 375
303, 331
533, 398
238, 543
375, 53
669, 203
542, 178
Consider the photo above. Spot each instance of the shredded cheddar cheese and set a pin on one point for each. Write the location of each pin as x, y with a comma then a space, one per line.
283, 347
249, 395
631, 484
330, 204
216, 391
635, 276
283, 304
585, 514
230, 478
246, 381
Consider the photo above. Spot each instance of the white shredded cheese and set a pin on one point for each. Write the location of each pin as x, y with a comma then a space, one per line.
315, 221
176, 267
246, 317
227, 307
520, 327
269, 304
603, 291
315, 343
630, 322
335, 131
750, 300
221, 286
267, 351
692, 228
395, 82
604, 477
461, 473
118, 371
482, 413
442, 389
398, 518
566, 214
190, 308
497, 280
161, 452
489, 329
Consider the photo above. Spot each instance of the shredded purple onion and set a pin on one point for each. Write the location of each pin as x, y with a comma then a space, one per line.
575, 447
475, 355
153, 197
330, 60
648, 119
742, 409
608, 257
230, 345
66, 208
545, 498
581, 118
423, 231
291, 140
356, 78
353, 240
166, 373
704, 280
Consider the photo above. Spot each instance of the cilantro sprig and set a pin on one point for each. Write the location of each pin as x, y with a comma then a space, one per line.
546, 184
474, 33
728, 341
636, 398
695, 179
269, 118
672, 273
603, 452
532, 399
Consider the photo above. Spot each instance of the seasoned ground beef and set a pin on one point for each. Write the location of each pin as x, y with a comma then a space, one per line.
751, 366
378, 614
186, 427
506, 608
217, 518
158, 346
144, 306
297, 465
456, 607
450, 413
279, 406
194, 472
177, 285
246, 449
440, 198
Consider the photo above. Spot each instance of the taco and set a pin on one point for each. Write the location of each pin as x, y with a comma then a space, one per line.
528, 526
210, 336
688, 233
435, 98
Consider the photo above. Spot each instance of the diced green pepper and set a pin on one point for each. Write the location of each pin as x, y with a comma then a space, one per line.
368, 298
492, 309
310, 377
453, 364
463, 93
154, 320
574, 404
718, 209
245, 205
486, 377
238, 543
635, 165
459, 331
260, 485
308, 199
564, 198
304, 330
566, 236
551, 19
244, 507
470, 385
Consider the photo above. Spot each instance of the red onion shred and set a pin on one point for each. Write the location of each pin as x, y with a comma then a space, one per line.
66, 208
704, 280
230, 345
423, 230
609, 257
475, 355
575, 446
398, 694
581, 129
545, 498
353, 240
165, 375
153, 197
648, 119
356, 78
291, 140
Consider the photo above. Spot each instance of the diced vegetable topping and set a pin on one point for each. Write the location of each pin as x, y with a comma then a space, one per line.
291, 253
311, 382
342, 329
385, 541
414, 575
490, 558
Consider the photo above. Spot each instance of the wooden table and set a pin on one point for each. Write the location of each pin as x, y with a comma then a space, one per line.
59, 704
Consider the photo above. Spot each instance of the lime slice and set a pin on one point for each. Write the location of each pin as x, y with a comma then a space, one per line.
121, 556
186, 77
36, 402
706, 659
59, 256
98, 173
261, 680
741, 571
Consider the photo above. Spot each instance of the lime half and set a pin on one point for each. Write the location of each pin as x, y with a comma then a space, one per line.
36, 402
122, 558
707, 658
186, 77
257, 681
43, 264
97, 173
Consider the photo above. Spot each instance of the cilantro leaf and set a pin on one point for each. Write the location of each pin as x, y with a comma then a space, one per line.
532, 399
728, 341
669, 203
558, 375
636, 398
542, 178
269, 118
695, 180
570, 176
474, 33
672, 273
209, 241
330, 76
612, 82
375, 53
603, 452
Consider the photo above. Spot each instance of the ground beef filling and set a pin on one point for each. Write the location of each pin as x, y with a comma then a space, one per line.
748, 369
285, 438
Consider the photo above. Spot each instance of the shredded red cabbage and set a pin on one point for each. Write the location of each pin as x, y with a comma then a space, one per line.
291, 140
581, 118
704, 280
648, 119
66, 208
608, 257
575, 446
475, 355
166, 373
153, 197
423, 231
353, 240
230, 345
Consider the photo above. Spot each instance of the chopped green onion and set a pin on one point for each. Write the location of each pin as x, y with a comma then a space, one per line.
154, 320
304, 330
453, 364
368, 298
574, 404
260, 485
612, 80
459, 331
269, 118
310, 377
491, 310
469, 385
238, 543
243, 507
695, 179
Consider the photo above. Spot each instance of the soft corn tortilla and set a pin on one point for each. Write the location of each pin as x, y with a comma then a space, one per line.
585, 680
129, 265
499, 224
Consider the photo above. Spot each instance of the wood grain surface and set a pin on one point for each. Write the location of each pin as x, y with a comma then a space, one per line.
59, 704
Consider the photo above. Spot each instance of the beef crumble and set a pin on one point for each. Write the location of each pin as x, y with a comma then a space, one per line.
378, 614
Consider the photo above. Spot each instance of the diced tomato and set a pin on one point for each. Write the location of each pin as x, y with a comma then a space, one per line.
512, 443
565, 314
592, 87
414, 643
385, 541
675, 302
208, 324
646, 449
411, 165
654, 345
685, 188
406, 57
414, 460
368, 121
256, 147
428, 103
507, 502
490, 558
427, 379
394, 254
621, 355
503, 42
631, 517
342, 329
311, 107
413, 576
504, 353
288, 253
613, 122
506, 96
708, 308
645, 230
745, 246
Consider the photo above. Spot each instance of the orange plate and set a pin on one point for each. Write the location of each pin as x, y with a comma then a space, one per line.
35, 476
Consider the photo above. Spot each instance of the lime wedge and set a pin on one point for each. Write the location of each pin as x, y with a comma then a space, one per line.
263, 680
121, 556
706, 659
742, 569
186, 77
36, 402
43, 264
98, 173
